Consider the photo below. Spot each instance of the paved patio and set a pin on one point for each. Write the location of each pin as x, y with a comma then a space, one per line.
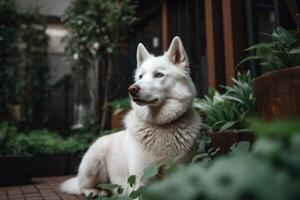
40, 189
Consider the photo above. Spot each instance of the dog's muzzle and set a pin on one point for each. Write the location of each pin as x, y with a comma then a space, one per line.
133, 90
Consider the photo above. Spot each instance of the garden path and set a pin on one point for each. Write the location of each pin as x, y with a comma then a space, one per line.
42, 188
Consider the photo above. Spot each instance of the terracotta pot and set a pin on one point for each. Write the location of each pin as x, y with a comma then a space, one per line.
117, 118
278, 94
224, 140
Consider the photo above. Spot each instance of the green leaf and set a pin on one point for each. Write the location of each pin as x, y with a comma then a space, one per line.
248, 59
131, 180
150, 172
283, 36
137, 193
120, 190
241, 147
260, 45
227, 125
108, 186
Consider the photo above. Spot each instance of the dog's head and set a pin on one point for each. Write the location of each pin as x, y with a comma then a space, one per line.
163, 89
163, 81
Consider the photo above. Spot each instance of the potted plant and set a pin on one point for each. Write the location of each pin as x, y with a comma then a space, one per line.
224, 114
15, 167
277, 90
120, 108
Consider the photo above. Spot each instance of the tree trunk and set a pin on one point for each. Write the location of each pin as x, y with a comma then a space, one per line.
106, 95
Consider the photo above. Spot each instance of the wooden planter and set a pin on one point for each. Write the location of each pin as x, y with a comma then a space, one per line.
224, 140
117, 118
15, 170
51, 164
278, 94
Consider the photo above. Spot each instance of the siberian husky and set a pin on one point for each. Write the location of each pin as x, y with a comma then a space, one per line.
161, 126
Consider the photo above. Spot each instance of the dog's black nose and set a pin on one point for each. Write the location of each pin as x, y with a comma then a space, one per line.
133, 90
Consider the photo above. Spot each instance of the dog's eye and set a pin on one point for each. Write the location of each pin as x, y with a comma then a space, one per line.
140, 76
158, 75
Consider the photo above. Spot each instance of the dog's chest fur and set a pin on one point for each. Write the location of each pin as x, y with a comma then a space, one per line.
169, 141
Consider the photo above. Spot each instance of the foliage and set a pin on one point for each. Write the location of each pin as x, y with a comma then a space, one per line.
228, 110
120, 103
35, 88
36, 142
14, 142
7, 134
282, 52
96, 28
78, 142
136, 191
43, 141
269, 171
23, 78
9, 55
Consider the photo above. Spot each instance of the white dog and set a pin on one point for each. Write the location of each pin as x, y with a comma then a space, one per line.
162, 125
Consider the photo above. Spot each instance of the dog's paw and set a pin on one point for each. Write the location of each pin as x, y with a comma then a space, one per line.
91, 193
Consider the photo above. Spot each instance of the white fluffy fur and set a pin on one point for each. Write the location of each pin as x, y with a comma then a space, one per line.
156, 133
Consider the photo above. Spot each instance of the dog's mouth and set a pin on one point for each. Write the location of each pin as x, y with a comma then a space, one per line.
143, 102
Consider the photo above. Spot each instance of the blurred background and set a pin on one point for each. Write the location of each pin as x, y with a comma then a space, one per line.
59, 84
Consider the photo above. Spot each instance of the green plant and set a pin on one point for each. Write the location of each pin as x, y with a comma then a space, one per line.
282, 52
23, 79
43, 141
78, 142
96, 29
120, 103
9, 56
7, 134
35, 79
269, 171
135, 190
228, 110
36, 142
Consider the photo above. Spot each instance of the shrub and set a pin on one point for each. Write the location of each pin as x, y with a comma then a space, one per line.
228, 110
35, 142
269, 171
282, 52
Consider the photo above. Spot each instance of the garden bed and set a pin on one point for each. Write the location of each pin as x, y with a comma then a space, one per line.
51, 164
15, 170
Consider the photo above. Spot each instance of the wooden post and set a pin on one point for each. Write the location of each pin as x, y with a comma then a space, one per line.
214, 42
234, 35
165, 26
294, 10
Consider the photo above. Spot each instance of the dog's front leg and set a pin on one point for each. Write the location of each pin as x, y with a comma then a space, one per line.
136, 165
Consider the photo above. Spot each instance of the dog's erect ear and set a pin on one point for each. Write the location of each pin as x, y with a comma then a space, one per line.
141, 54
177, 54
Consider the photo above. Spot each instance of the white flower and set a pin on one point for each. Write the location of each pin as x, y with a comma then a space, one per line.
96, 45
75, 56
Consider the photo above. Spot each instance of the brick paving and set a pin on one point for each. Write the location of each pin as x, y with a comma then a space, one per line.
40, 189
